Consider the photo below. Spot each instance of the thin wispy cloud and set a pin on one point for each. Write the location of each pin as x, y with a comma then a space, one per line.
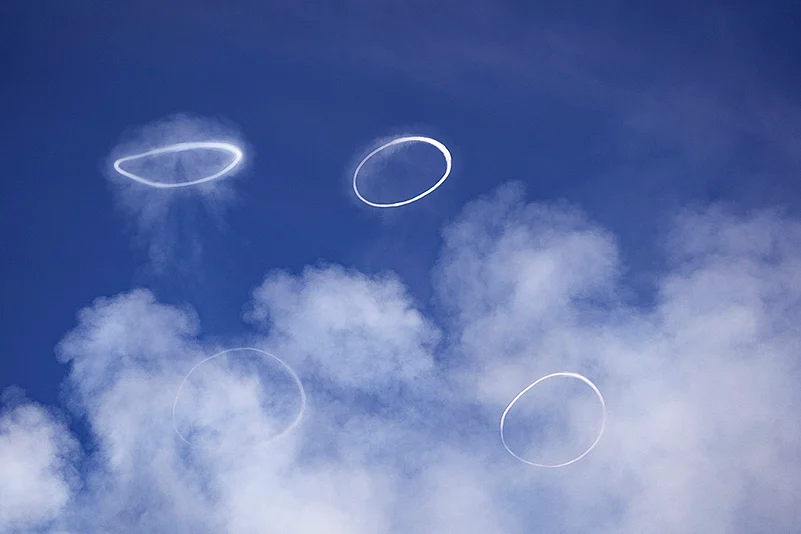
169, 221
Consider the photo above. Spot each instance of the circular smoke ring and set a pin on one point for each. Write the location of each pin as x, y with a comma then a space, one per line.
400, 140
234, 150
285, 365
526, 390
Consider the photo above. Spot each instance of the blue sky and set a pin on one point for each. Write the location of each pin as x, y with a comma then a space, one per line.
625, 181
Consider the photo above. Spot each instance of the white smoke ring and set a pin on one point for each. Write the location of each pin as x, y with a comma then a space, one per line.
411, 139
519, 395
234, 150
285, 365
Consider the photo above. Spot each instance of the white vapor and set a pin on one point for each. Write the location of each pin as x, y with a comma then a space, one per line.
37, 474
373, 336
401, 431
168, 219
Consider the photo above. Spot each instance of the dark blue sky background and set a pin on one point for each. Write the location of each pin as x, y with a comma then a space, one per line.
631, 111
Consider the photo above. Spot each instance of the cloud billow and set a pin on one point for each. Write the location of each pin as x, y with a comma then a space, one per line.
701, 434
351, 329
37, 471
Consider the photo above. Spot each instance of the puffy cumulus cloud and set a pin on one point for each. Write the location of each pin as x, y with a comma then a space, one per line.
130, 332
37, 473
319, 497
517, 279
128, 354
460, 491
710, 389
401, 431
353, 330
702, 387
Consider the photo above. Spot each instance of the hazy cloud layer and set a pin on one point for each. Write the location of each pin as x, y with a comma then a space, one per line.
401, 430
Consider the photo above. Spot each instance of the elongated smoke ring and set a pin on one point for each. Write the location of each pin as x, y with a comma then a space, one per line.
286, 366
183, 147
519, 395
411, 139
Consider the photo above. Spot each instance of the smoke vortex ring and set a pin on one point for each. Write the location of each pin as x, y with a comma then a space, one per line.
411, 139
519, 395
285, 365
182, 147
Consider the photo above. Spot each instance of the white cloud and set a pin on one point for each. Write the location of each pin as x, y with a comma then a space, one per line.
518, 279
353, 330
701, 388
401, 429
37, 476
